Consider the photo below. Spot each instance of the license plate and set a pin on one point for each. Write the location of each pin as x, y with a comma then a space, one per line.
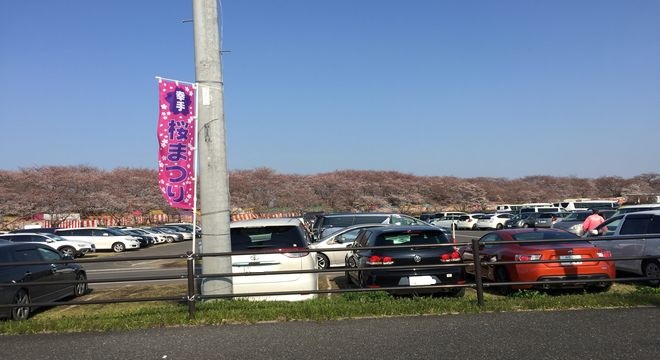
570, 257
421, 280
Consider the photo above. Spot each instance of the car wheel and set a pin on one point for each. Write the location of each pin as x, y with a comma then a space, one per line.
651, 268
362, 282
170, 239
21, 313
525, 225
502, 276
498, 227
118, 247
474, 227
81, 287
68, 250
322, 261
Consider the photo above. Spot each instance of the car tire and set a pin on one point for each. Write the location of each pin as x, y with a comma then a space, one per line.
170, 239
502, 276
525, 225
81, 288
362, 282
651, 268
68, 250
474, 227
21, 313
599, 289
118, 247
322, 261
498, 227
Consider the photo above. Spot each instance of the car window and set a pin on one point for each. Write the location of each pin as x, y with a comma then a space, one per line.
375, 219
545, 235
26, 255
348, 236
363, 238
635, 225
415, 238
489, 239
17, 238
49, 255
342, 221
266, 237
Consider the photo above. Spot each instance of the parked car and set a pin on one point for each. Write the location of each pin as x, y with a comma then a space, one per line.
145, 240
448, 221
361, 264
572, 222
341, 239
189, 227
170, 234
636, 208
73, 248
11, 252
492, 221
569, 267
517, 221
545, 220
634, 227
187, 234
326, 224
468, 221
273, 245
102, 238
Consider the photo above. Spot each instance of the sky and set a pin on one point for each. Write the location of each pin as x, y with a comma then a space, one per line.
465, 88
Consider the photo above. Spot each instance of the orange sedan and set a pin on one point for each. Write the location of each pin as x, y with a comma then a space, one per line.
570, 256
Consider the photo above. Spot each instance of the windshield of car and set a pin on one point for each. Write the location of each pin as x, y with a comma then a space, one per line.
412, 238
54, 237
278, 237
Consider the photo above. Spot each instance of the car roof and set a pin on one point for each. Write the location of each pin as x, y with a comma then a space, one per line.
266, 222
636, 206
646, 212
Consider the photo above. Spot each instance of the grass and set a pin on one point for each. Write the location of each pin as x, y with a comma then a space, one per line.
129, 316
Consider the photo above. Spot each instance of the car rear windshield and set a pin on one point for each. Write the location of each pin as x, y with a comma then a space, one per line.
278, 237
413, 238
546, 235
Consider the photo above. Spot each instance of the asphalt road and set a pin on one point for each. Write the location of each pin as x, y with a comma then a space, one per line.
585, 334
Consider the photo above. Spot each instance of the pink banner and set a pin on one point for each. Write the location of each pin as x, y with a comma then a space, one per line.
176, 142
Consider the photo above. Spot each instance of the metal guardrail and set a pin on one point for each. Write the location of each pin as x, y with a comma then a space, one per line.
192, 277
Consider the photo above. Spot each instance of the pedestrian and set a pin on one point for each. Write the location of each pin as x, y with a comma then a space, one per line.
592, 221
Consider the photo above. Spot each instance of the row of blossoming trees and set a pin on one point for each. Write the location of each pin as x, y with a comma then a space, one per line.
90, 191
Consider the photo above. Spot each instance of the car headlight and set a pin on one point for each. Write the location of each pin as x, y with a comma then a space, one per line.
575, 227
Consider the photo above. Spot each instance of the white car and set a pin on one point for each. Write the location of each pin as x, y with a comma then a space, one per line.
73, 248
468, 221
492, 221
447, 221
338, 240
273, 245
102, 238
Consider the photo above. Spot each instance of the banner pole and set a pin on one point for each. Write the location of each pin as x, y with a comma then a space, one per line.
195, 169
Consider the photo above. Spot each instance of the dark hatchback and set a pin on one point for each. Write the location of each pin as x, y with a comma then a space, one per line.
24, 275
404, 242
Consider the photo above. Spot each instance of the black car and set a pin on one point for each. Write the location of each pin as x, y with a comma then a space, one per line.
145, 240
405, 239
24, 275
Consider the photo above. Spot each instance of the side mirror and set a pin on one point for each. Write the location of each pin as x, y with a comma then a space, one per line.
50, 240
105, 234
339, 239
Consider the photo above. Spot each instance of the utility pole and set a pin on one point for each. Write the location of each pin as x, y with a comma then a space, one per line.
212, 170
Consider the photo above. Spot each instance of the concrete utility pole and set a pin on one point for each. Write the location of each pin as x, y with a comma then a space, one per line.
212, 171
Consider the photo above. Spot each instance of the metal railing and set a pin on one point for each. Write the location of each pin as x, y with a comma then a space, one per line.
192, 276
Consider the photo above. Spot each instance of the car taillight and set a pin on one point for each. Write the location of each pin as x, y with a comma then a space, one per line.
286, 252
526, 257
378, 260
603, 253
451, 257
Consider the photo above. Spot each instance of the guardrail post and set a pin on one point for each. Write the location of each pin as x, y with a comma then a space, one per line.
191, 284
477, 272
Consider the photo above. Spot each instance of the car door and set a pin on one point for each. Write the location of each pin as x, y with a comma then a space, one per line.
59, 272
486, 252
102, 237
618, 248
34, 272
